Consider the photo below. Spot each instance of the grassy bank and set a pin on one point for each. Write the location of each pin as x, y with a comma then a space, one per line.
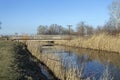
7, 65
17, 63
57, 64
98, 42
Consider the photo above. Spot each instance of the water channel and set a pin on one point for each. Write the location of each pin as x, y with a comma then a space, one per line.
88, 63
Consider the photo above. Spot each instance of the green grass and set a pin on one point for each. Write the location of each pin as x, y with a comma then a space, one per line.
17, 63
7, 65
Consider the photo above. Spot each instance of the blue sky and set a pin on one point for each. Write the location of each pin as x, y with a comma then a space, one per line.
24, 16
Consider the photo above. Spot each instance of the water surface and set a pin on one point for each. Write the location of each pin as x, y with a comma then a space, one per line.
92, 63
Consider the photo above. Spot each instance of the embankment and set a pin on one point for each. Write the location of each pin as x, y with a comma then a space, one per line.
17, 63
99, 42
55, 63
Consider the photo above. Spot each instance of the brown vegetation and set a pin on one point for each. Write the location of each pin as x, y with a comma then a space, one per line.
54, 62
57, 63
99, 42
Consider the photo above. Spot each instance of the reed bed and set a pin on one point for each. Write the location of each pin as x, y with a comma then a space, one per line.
54, 62
57, 64
99, 42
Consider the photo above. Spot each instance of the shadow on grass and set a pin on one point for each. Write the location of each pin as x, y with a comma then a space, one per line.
30, 68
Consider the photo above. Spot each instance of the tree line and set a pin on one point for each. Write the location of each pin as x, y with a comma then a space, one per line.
82, 29
55, 29
112, 26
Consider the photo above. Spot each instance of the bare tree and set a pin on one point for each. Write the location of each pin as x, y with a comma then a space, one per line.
81, 28
0, 25
53, 29
110, 27
114, 9
42, 29
89, 30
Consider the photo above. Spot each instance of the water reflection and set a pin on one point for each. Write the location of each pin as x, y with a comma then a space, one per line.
91, 63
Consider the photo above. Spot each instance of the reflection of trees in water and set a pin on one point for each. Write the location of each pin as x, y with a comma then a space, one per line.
71, 61
91, 55
81, 61
63, 65
110, 72
101, 56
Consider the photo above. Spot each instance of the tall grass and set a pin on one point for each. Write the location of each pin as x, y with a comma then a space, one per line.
57, 64
99, 42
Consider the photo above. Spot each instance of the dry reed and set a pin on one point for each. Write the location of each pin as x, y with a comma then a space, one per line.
57, 63
99, 42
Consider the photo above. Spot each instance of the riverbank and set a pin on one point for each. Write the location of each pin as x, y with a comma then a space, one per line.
17, 63
55, 63
98, 42
57, 59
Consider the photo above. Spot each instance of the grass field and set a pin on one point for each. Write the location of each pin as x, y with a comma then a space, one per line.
16, 63
7, 65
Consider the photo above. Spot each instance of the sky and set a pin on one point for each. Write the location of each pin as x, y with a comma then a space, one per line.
24, 16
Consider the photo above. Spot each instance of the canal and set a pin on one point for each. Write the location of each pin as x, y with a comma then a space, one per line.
83, 63
69, 63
